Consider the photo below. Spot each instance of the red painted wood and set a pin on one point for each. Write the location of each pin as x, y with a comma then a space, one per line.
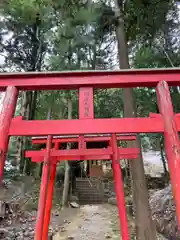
72, 152
43, 192
87, 126
155, 115
47, 215
82, 152
103, 154
86, 103
149, 78
82, 143
49, 199
86, 139
172, 143
86, 111
84, 158
95, 79
119, 190
6, 114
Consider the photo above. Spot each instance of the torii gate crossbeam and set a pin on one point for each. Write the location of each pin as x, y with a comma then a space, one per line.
167, 123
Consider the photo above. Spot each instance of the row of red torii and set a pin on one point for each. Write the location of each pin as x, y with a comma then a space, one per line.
166, 122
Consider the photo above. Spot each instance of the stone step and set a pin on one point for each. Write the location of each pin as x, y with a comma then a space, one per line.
90, 191
85, 199
87, 186
90, 196
91, 199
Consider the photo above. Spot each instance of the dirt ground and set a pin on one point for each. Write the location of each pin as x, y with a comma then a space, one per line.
90, 222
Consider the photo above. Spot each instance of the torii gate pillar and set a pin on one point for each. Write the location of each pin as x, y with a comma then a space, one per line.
6, 115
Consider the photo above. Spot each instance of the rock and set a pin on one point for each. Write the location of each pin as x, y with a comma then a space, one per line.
23, 220
57, 236
164, 213
106, 191
31, 219
155, 182
113, 194
30, 229
2, 209
107, 236
3, 233
50, 236
26, 233
62, 229
20, 238
55, 213
74, 205
112, 201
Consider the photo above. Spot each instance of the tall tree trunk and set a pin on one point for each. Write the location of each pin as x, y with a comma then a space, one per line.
145, 229
22, 141
161, 144
162, 156
33, 105
88, 167
29, 97
67, 167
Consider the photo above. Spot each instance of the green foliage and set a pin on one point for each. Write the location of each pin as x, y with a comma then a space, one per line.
145, 18
25, 10
145, 101
57, 100
27, 24
108, 103
146, 57
80, 35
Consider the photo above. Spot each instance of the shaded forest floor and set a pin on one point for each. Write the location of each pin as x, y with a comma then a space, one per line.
90, 222
93, 222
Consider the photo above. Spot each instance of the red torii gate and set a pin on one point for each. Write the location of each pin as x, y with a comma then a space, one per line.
86, 138
166, 123
85, 153
59, 140
82, 153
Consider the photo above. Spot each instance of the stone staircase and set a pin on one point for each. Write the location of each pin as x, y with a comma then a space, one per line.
90, 191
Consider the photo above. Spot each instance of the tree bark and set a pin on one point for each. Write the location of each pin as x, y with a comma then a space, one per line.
33, 105
67, 167
22, 141
145, 229
162, 156
29, 97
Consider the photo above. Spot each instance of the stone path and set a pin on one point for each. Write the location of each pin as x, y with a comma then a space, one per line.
91, 223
